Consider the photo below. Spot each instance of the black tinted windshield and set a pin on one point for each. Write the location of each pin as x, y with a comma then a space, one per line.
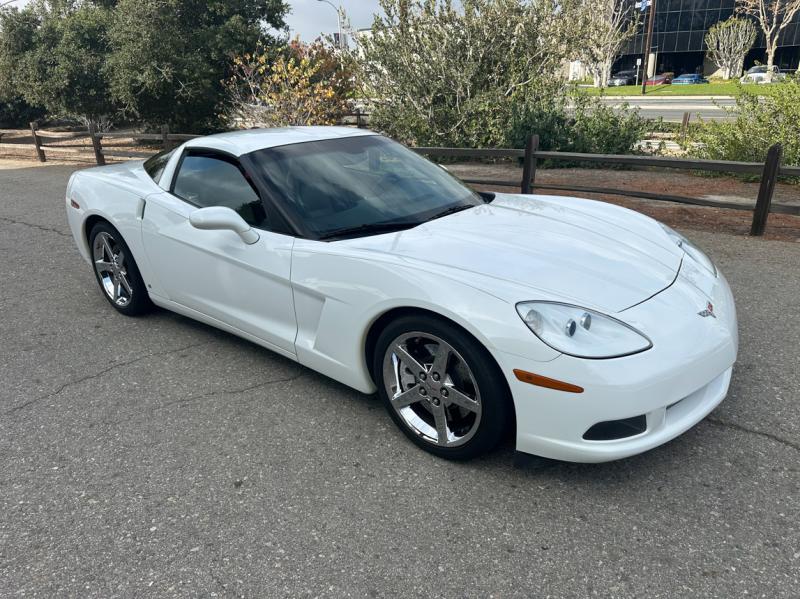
339, 184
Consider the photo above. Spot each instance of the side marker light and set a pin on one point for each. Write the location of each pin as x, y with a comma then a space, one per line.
543, 381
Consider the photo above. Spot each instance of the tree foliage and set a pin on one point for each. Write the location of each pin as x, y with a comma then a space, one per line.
757, 124
156, 61
444, 75
170, 57
608, 25
293, 85
54, 55
486, 75
772, 16
16, 112
728, 42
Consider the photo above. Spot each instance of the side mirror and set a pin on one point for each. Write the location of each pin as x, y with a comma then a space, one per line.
219, 218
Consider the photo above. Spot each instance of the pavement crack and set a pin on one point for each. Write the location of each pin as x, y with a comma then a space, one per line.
238, 391
34, 226
200, 396
95, 375
753, 431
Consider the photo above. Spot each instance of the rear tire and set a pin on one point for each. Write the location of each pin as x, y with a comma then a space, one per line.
441, 387
116, 271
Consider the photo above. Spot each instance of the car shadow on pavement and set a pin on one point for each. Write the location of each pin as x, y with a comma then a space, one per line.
504, 457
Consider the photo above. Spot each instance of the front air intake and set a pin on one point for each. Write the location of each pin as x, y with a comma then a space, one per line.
613, 430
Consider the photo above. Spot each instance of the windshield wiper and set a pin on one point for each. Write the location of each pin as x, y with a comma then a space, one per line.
367, 228
452, 210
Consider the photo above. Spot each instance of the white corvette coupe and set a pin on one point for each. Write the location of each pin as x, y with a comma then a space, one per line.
589, 331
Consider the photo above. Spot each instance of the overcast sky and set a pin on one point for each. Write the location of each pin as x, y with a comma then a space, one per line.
310, 18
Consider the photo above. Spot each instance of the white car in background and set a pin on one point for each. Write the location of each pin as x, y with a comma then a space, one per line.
758, 74
587, 331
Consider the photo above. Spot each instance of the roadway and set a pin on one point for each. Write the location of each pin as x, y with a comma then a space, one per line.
159, 457
672, 108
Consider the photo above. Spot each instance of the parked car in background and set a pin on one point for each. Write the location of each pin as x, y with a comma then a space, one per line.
622, 78
663, 79
689, 79
758, 74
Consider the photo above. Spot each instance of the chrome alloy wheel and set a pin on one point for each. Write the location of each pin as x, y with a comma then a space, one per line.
109, 262
432, 389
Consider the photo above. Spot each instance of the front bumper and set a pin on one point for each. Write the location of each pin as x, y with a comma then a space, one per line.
674, 385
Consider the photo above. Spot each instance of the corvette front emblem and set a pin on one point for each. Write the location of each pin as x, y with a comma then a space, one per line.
709, 311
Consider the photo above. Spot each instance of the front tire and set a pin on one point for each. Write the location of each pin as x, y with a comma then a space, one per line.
441, 387
116, 271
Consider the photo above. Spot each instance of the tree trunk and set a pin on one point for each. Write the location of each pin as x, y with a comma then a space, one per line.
771, 48
605, 73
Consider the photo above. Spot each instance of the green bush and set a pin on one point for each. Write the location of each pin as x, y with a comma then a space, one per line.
587, 126
583, 124
57, 59
16, 113
486, 75
170, 57
156, 61
759, 123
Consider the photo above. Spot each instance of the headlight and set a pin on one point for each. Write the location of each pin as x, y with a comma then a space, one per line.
580, 332
694, 252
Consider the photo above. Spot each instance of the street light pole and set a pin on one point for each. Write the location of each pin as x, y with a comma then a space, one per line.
650, 21
338, 20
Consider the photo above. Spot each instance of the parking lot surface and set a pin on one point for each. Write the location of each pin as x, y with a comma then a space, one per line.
160, 457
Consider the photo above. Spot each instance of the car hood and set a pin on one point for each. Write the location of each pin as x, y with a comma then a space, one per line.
542, 247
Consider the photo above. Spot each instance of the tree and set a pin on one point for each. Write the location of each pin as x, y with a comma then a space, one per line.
773, 16
54, 54
293, 85
728, 41
609, 24
170, 57
466, 76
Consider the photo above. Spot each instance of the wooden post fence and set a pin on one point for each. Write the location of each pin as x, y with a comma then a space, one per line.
165, 137
37, 142
685, 125
769, 170
529, 164
99, 157
769, 177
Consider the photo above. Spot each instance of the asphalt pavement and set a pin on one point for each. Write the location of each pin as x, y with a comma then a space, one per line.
672, 108
160, 457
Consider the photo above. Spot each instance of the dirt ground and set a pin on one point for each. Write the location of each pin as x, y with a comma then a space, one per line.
725, 220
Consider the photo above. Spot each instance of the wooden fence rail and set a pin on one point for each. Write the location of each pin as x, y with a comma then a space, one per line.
42, 147
769, 170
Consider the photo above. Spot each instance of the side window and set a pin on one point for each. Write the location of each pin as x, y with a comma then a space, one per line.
210, 181
155, 165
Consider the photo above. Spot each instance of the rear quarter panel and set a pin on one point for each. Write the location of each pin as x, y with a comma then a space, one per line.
116, 194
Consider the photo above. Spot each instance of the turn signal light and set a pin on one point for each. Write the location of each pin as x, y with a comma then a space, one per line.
543, 381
